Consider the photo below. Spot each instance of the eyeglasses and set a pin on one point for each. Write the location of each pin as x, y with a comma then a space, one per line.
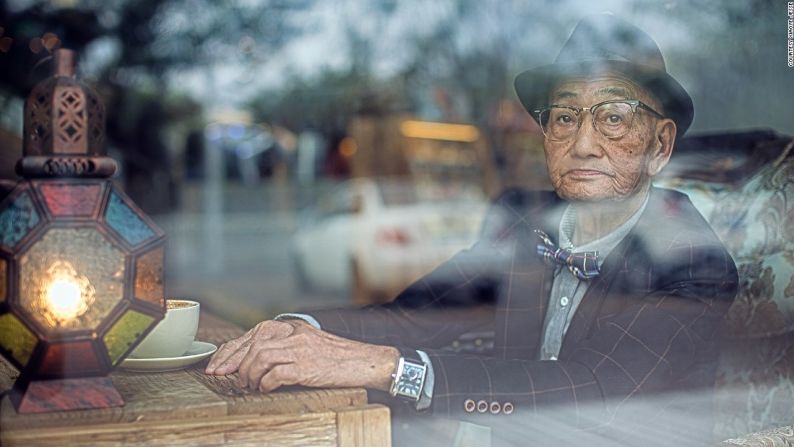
612, 118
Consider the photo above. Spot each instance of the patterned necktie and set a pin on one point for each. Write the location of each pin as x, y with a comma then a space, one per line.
583, 265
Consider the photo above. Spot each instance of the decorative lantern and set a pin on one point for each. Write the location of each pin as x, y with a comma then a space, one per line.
81, 267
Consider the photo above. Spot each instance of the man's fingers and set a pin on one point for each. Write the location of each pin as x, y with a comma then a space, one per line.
231, 364
279, 375
226, 351
226, 362
259, 361
276, 339
228, 358
247, 363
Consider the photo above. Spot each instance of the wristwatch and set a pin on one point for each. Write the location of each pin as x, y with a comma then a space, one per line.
409, 379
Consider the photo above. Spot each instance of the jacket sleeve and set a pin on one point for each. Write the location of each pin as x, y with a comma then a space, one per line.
456, 298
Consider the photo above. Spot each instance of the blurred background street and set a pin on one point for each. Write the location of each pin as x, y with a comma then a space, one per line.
240, 268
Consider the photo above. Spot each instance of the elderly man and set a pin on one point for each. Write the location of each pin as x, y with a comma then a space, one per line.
604, 293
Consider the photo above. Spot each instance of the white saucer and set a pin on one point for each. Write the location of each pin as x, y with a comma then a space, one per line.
198, 351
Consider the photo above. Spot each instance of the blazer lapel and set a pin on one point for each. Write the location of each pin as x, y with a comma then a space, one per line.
522, 305
600, 288
526, 288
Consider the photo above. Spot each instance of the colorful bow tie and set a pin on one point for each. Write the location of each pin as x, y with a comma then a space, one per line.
583, 265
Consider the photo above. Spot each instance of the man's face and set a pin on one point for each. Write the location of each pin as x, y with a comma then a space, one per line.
589, 167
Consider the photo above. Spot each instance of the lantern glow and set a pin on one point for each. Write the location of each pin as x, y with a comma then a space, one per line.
81, 256
68, 294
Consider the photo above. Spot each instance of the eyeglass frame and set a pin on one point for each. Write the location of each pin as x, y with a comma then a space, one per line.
633, 103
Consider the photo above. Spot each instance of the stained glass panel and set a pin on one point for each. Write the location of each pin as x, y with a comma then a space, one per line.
16, 338
149, 277
71, 200
124, 333
71, 279
17, 220
125, 222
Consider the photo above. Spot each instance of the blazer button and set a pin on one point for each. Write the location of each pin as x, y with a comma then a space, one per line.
495, 407
507, 408
482, 406
469, 405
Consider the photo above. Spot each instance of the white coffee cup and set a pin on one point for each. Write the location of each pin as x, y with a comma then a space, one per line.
174, 334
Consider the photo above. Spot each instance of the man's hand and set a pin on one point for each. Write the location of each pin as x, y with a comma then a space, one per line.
292, 352
230, 354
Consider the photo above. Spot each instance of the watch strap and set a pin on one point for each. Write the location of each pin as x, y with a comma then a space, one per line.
410, 355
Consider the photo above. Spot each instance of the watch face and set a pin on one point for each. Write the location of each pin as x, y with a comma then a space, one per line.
410, 382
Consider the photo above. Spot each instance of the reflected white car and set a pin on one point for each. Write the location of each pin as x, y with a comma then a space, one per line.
373, 238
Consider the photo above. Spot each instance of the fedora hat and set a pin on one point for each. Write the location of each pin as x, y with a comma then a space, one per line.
606, 43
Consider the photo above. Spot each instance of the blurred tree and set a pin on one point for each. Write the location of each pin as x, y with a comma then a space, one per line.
152, 36
141, 42
326, 102
329, 101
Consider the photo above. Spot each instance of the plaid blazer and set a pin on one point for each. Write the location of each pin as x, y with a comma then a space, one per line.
649, 323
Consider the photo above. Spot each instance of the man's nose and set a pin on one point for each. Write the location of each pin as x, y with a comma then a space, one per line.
587, 140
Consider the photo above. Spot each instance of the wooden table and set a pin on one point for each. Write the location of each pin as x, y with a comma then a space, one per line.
188, 407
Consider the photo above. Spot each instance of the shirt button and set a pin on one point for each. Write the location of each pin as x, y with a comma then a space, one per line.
564, 301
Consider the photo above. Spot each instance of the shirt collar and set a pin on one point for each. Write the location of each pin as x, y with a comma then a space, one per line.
602, 245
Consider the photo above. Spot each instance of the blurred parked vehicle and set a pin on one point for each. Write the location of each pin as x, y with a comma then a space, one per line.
374, 237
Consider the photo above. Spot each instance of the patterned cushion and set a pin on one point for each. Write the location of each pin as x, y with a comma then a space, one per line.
752, 211
755, 220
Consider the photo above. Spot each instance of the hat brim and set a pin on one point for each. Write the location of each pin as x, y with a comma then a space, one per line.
533, 86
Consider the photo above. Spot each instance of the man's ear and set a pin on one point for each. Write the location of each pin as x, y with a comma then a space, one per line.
664, 140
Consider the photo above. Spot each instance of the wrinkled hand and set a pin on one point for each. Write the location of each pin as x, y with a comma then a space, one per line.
230, 354
292, 352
